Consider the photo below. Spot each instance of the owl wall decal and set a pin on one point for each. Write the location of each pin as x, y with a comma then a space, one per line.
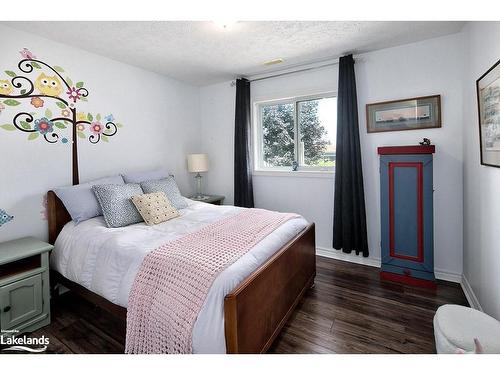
5, 87
49, 85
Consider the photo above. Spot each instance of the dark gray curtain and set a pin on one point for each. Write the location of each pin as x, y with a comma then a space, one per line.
243, 189
349, 216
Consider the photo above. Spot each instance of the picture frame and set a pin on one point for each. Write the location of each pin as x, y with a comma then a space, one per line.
488, 103
422, 112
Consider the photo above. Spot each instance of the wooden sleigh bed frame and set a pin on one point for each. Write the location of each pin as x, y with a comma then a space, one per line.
255, 311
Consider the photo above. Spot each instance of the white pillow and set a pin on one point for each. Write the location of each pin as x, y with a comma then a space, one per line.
80, 200
138, 177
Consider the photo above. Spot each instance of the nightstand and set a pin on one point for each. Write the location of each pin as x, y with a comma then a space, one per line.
24, 286
213, 199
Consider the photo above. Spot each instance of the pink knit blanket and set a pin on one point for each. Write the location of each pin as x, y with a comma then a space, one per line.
173, 281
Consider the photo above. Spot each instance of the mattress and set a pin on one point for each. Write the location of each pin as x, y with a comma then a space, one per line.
106, 260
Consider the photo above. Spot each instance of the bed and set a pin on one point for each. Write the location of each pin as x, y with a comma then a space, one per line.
259, 291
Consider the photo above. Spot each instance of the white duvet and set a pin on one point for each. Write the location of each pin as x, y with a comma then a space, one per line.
106, 260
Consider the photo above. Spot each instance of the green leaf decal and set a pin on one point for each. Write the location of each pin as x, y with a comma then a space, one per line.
10, 73
33, 136
11, 102
61, 105
35, 65
79, 85
69, 81
8, 127
118, 125
84, 99
81, 135
58, 69
89, 117
98, 117
25, 125
48, 113
60, 125
104, 138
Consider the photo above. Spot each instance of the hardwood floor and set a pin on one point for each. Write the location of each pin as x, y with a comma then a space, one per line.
348, 311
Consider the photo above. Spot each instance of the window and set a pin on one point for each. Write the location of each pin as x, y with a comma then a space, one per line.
300, 131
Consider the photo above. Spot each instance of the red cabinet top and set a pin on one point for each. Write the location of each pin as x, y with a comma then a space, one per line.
401, 150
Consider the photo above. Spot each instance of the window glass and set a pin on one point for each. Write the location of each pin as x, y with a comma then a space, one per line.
317, 119
278, 135
300, 132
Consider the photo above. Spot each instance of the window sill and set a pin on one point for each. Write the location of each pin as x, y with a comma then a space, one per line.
301, 174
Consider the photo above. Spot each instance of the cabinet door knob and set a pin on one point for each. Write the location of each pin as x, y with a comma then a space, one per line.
6, 309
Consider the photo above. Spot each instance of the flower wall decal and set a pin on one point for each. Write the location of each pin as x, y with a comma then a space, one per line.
37, 102
45, 87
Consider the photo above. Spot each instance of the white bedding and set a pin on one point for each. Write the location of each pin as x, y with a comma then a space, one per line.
106, 260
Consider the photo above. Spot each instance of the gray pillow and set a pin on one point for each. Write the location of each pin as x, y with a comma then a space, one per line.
80, 200
117, 207
169, 187
138, 177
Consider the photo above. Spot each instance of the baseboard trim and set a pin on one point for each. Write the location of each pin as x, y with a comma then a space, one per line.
448, 276
470, 295
353, 258
375, 262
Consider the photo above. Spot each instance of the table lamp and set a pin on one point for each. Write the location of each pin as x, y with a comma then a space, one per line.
198, 163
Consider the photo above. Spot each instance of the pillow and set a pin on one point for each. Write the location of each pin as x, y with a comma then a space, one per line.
169, 187
155, 208
138, 177
80, 200
117, 207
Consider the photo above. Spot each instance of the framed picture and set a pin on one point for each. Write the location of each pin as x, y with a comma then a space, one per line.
488, 100
406, 114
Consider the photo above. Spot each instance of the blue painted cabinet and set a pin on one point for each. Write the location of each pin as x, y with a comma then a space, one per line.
406, 206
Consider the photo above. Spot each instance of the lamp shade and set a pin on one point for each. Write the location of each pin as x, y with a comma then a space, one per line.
197, 163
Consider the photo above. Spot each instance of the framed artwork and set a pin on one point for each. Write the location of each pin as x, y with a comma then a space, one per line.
488, 100
405, 114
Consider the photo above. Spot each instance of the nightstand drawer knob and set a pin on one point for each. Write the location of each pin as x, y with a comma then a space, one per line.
6, 309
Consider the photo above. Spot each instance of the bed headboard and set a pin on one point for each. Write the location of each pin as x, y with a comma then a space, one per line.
57, 216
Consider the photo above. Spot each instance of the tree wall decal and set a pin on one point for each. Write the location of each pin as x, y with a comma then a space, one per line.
49, 89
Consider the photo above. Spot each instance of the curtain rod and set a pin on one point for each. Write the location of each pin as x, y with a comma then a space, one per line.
305, 69
294, 71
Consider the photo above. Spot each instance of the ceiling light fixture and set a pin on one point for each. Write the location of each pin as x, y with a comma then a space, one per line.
274, 61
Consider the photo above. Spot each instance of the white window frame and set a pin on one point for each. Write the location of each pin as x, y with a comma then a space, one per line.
258, 149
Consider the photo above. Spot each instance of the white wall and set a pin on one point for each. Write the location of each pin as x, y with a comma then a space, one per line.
217, 138
160, 118
425, 68
481, 183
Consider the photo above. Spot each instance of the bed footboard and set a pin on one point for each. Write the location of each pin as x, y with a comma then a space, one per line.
257, 309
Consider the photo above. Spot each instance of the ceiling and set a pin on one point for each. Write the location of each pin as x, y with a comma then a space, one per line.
202, 53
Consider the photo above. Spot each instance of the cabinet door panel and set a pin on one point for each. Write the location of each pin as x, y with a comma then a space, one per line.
20, 301
406, 211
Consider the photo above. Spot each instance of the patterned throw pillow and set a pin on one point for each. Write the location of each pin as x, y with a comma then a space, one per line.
155, 208
169, 187
117, 207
